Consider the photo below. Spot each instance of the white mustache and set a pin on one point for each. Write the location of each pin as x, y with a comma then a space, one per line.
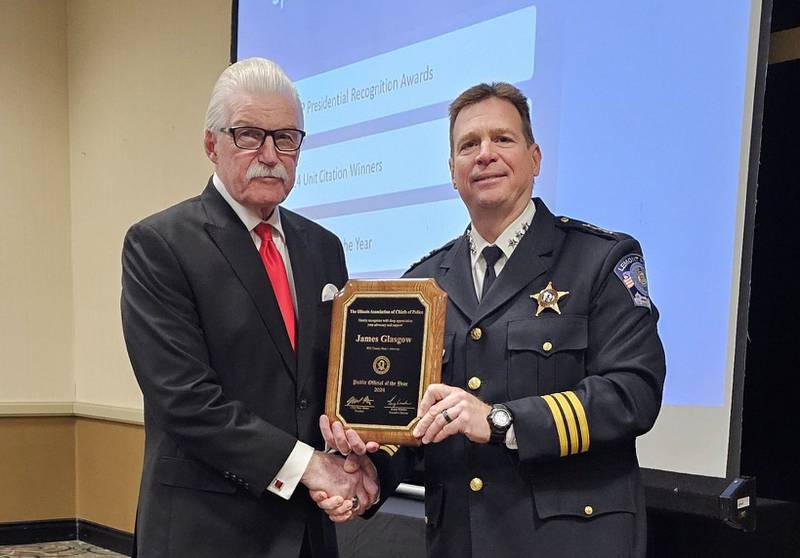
260, 170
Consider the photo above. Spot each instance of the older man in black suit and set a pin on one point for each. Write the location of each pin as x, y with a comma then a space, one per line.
226, 323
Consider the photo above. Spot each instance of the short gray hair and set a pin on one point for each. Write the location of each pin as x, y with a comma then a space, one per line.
249, 76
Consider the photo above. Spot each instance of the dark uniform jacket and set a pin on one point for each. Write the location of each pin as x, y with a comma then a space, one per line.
225, 396
582, 385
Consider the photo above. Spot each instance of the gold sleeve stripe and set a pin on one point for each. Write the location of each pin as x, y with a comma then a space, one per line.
389, 448
572, 427
582, 422
578, 439
558, 419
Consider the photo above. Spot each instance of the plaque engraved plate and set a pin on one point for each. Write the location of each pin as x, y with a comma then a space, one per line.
386, 348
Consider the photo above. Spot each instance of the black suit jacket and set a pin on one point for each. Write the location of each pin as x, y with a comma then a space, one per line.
573, 488
225, 396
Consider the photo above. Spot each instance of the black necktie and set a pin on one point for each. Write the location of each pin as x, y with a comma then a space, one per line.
490, 254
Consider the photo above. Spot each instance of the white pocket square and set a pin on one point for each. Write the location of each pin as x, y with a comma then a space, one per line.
328, 292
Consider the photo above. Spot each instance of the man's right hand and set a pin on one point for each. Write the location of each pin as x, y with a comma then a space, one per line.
333, 487
348, 443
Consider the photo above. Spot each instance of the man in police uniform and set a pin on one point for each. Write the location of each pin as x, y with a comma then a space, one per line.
552, 366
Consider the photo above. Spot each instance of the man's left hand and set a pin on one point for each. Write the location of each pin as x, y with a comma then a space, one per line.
466, 412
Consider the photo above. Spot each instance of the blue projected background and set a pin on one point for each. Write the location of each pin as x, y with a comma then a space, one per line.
638, 106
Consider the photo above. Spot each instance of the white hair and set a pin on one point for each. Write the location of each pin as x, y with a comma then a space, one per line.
249, 76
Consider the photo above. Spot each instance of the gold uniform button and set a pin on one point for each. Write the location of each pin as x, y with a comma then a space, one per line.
588, 510
476, 484
565, 219
474, 382
547, 347
476, 333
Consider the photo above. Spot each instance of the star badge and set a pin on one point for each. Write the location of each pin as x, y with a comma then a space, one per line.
548, 298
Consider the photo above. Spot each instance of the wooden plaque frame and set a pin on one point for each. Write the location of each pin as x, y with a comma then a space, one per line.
434, 302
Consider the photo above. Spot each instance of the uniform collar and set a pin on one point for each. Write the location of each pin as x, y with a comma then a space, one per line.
508, 239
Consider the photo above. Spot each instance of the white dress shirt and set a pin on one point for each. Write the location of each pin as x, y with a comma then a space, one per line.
507, 242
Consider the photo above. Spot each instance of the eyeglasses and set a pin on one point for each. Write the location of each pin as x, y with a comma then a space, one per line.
287, 140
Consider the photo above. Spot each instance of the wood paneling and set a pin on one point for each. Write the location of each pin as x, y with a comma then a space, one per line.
37, 468
108, 463
65, 467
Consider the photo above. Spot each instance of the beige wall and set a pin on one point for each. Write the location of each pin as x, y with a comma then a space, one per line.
140, 73
35, 273
101, 120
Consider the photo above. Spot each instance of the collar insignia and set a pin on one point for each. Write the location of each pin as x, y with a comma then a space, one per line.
468, 234
548, 298
513, 241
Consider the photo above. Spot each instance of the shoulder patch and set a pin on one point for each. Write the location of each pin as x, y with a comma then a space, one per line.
432, 253
575, 224
630, 270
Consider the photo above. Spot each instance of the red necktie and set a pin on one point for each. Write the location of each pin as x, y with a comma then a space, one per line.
276, 270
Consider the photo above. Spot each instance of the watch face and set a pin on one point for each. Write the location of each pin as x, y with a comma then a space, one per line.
501, 419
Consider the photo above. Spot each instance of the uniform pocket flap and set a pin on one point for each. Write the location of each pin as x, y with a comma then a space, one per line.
548, 335
184, 473
611, 496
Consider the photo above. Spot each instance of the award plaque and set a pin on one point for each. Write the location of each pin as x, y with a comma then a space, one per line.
387, 338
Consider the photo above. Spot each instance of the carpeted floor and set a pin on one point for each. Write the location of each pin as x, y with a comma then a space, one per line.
73, 549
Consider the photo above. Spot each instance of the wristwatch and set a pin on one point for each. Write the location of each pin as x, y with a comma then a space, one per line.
500, 420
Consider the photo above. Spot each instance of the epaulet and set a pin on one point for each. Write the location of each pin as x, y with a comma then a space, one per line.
575, 224
432, 253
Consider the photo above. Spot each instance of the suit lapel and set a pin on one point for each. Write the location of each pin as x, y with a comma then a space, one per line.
455, 278
529, 260
303, 267
236, 244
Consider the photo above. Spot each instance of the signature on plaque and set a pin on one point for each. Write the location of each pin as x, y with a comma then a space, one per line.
399, 406
360, 404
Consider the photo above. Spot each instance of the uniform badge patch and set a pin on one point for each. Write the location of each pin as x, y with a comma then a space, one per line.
630, 270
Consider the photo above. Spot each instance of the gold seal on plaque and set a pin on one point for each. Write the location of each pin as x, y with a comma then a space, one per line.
381, 365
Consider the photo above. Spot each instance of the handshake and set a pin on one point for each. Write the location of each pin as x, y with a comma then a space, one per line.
342, 486
348, 486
